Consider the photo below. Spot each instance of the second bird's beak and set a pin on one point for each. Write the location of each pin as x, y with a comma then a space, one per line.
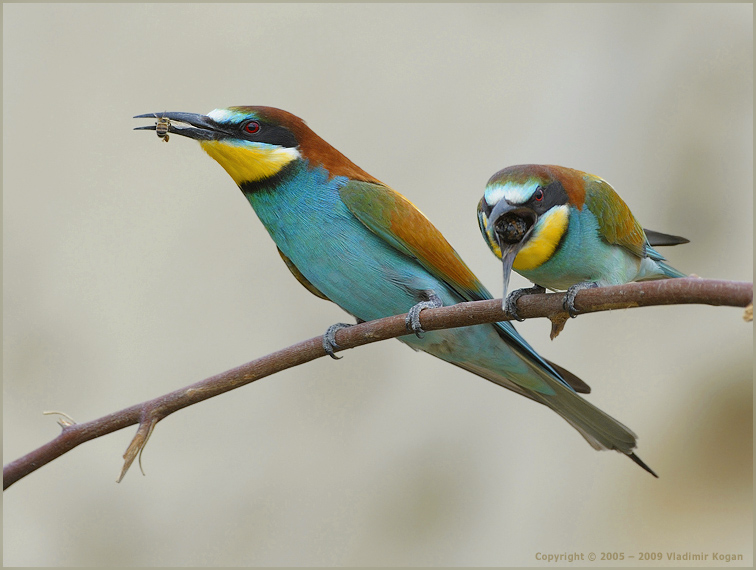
509, 227
200, 127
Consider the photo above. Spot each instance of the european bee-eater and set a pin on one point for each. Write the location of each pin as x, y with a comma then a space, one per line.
566, 229
352, 240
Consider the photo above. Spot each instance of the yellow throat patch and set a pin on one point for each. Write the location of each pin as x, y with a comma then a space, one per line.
541, 245
246, 163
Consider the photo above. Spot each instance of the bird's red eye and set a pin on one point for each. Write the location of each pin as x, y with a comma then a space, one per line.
538, 195
251, 127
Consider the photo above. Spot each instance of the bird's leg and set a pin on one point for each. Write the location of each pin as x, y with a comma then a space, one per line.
329, 338
413, 315
569, 298
510, 304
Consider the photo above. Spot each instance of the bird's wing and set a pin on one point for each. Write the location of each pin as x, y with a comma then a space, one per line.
397, 221
616, 222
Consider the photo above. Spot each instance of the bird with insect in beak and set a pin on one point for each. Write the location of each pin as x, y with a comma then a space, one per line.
566, 229
350, 239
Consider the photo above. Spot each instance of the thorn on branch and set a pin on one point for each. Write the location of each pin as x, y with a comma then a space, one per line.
558, 320
137, 445
64, 422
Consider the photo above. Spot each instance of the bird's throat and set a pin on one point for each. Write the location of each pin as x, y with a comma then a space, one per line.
249, 163
547, 234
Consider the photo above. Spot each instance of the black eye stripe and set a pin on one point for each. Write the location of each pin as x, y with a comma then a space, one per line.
266, 133
552, 194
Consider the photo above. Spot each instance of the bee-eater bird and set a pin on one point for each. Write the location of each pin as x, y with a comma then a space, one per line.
352, 240
566, 229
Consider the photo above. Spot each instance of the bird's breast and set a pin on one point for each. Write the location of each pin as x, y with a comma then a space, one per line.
583, 255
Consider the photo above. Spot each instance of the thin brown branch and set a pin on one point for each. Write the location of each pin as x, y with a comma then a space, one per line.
148, 414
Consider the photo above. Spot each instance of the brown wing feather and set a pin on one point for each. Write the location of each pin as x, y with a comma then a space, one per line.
616, 222
396, 220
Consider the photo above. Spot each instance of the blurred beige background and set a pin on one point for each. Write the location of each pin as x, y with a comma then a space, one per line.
133, 267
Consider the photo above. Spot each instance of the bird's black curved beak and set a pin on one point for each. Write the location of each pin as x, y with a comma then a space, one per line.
194, 126
510, 227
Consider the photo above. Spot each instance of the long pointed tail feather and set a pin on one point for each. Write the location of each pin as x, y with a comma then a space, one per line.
598, 428
640, 462
659, 239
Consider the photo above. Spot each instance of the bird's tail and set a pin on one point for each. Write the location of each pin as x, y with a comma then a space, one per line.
670, 271
658, 269
657, 239
599, 429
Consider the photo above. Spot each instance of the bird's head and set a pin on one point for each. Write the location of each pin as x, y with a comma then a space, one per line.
524, 213
254, 144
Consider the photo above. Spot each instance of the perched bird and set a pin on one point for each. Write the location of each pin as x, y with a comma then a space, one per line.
352, 240
566, 229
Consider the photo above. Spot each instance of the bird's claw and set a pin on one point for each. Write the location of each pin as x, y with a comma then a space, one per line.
569, 298
510, 303
412, 320
329, 339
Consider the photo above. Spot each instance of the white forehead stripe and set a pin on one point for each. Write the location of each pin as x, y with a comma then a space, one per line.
225, 115
510, 191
